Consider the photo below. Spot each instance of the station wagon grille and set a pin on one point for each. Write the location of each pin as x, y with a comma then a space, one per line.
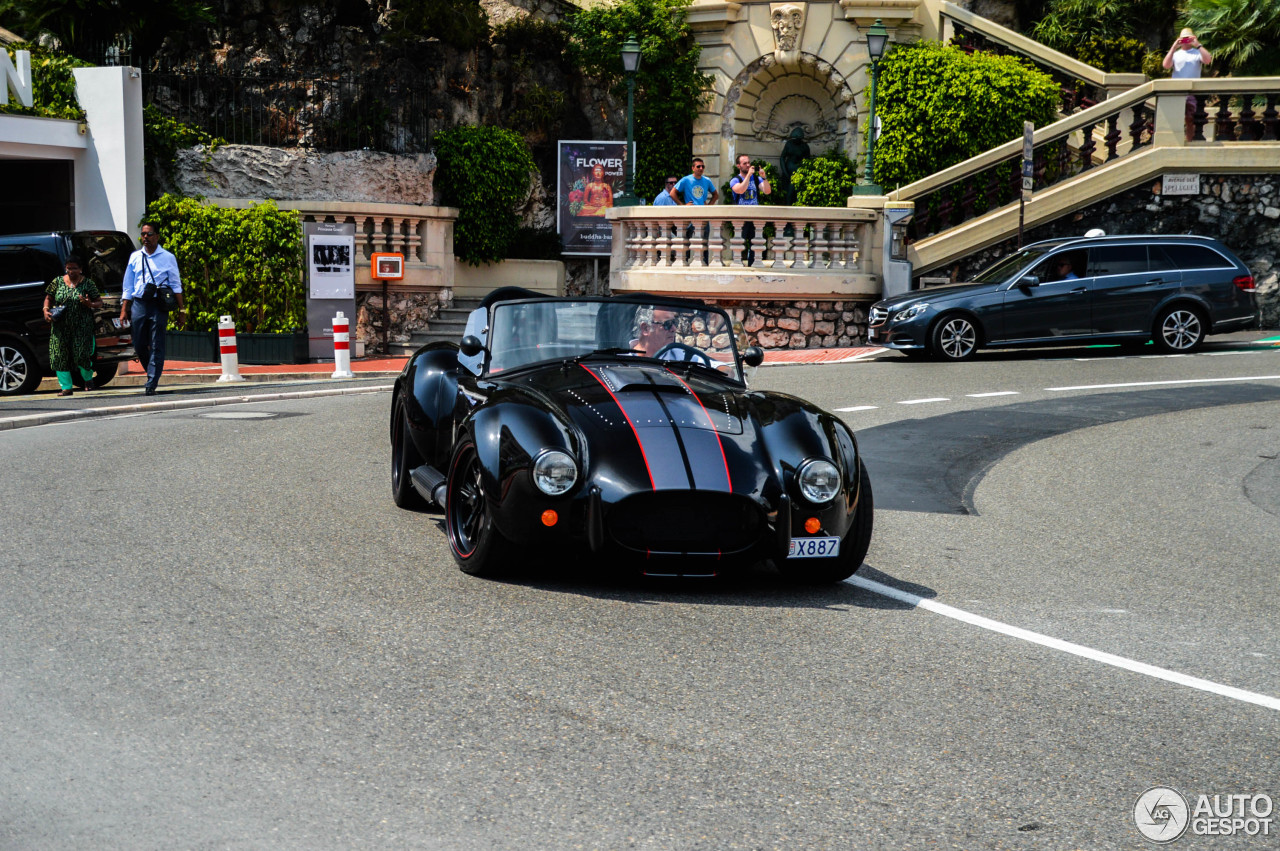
878, 316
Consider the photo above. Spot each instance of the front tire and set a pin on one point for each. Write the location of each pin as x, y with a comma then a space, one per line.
478, 547
404, 457
1179, 330
19, 371
853, 549
954, 338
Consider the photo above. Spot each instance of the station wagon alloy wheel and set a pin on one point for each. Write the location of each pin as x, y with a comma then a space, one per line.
955, 338
18, 370
1180, 330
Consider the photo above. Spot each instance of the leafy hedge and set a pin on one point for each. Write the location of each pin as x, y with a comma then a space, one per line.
54, 90
246, 264
940, 106
484, 172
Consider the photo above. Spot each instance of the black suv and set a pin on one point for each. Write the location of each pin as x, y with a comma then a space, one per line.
28, 262
1172, 290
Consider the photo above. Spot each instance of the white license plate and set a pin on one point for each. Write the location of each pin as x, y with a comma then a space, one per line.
814, 548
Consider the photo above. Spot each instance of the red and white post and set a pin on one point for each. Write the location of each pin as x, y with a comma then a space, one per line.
227, 346
342, 347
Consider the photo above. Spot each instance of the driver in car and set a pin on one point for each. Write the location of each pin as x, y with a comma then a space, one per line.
656, 328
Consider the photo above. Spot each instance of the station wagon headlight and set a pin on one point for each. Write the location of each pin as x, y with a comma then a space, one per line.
911, 312
554, 472
819, 480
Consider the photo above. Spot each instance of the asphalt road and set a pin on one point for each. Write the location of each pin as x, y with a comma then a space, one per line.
218, 632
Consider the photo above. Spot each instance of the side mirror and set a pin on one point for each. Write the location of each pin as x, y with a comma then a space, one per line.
1029, 281
753, 356
471, 346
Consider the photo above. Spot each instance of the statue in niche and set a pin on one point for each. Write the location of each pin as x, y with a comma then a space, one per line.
794, 152
788, 21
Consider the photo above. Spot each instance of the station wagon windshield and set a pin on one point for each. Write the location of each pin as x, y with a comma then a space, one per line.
1004, 268
529, 332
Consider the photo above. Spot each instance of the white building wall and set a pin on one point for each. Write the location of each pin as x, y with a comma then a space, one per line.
110, 187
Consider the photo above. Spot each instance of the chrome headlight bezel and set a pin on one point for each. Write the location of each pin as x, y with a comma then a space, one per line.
818, 480
909, 313
554, 472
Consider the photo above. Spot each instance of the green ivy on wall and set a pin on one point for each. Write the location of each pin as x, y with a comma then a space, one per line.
246, 264
484, 172
53, 89
669, 87
940, 106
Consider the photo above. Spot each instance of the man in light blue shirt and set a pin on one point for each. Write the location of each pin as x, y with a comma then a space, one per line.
663, 198
150, 268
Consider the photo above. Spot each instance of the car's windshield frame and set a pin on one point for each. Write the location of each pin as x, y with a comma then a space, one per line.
1005, 268
528, 333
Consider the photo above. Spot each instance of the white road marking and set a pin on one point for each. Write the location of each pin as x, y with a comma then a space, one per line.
924, 401
1168, 383
857, 408
1232, 692
987, 395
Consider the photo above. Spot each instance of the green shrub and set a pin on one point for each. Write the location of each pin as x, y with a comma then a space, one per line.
246, 264
53, 92
484, 172
669, 87
825, 181
939, 106
1118, 55
530, 39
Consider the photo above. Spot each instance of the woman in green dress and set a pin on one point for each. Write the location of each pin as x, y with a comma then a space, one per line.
71, 336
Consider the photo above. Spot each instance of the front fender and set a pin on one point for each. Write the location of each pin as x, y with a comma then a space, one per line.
428, 384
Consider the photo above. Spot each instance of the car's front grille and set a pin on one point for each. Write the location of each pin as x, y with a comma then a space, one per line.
686, 522
878, 316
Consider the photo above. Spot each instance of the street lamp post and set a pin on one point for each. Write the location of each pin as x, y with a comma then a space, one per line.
877, 40
630, 64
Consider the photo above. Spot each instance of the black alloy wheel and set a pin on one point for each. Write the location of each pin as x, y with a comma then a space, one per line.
478, 547
19, 371
1179, 330
404, 457
853, 549
955, 338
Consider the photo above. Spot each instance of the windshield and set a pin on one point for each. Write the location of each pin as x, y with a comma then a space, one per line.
1005, 267
533, 331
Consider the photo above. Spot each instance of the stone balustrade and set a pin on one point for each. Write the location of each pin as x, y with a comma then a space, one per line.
795, 252
424, 235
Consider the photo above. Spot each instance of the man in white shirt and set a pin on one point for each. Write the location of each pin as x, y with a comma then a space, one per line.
150, 268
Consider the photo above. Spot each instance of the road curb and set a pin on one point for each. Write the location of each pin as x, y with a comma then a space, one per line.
178, 404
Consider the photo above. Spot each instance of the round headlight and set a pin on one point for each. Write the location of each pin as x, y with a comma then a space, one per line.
554, 472
819, 480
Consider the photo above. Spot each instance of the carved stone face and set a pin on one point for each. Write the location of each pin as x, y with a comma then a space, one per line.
787, 21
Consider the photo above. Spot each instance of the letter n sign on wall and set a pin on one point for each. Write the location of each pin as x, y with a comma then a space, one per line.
16, 78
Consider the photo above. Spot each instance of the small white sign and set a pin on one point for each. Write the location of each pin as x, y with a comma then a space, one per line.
1182, 184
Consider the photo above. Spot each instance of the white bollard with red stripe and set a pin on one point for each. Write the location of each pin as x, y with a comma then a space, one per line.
227, 346
342, 347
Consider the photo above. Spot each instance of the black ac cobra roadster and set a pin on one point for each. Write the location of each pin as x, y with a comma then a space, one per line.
622, 427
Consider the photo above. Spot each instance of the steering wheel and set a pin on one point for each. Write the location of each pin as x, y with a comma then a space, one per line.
689, 354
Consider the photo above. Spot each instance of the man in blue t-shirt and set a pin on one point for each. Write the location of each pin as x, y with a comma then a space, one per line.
747, 187
696, 190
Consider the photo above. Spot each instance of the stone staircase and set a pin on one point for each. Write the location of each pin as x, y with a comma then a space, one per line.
447, 327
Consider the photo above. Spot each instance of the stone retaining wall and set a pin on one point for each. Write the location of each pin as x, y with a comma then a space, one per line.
409, 312
1241, 210
800, 324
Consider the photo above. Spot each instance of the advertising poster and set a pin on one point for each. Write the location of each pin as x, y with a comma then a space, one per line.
332, 259
591, 176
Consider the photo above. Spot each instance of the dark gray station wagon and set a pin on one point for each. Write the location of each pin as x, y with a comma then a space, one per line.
1172, 290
